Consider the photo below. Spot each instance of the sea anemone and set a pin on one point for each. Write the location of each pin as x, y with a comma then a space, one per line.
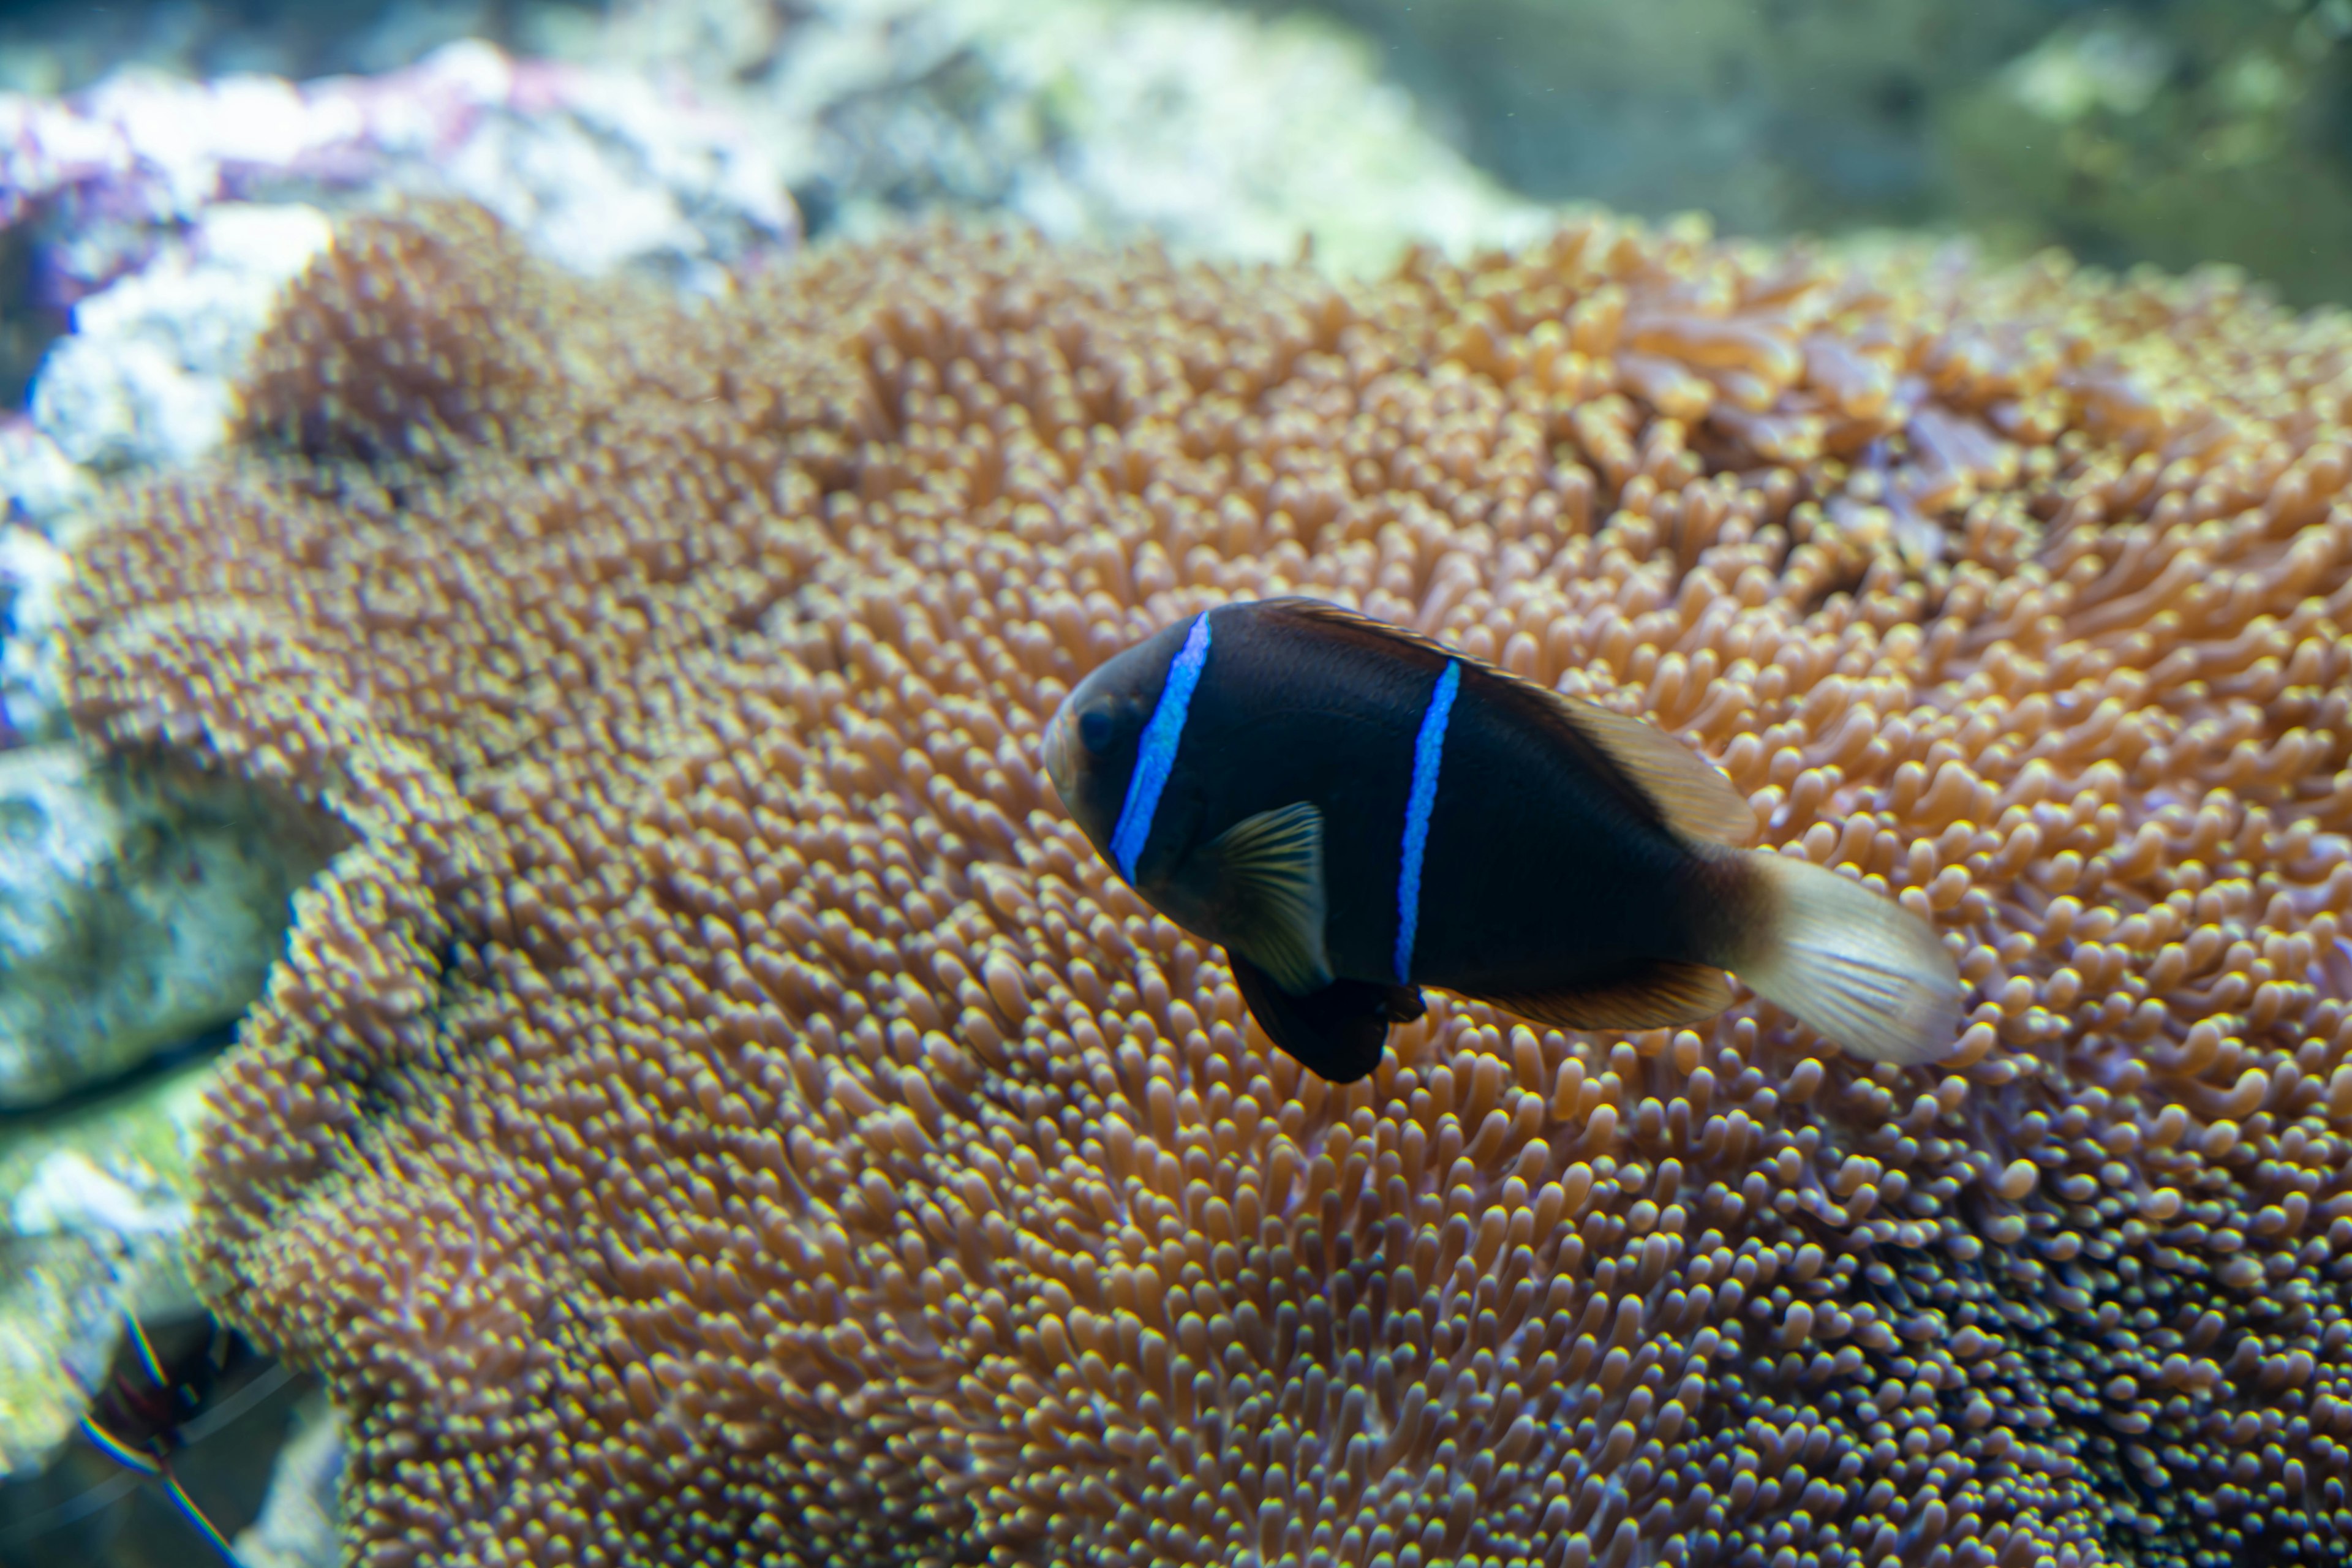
721, 1110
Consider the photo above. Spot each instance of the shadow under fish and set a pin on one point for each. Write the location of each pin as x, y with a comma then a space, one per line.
1352, 811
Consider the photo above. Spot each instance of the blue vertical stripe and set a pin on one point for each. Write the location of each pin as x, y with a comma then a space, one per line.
1428, 749
1155, 757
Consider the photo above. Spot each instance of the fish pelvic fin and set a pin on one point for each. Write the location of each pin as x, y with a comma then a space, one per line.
1659, 995
1855, 965
1266, 876
1337, 1032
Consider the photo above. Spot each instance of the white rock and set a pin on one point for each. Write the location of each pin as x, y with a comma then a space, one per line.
145, 375
91, 1206
70, 1195
1218, 133
598, 168
297, 1527
608, 171
1231, 135
33, 573
39, 483
112, 400
131, 917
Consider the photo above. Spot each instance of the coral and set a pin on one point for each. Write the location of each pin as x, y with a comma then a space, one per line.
719, 1109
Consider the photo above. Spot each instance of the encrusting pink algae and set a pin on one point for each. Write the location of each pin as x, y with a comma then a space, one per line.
721, 1110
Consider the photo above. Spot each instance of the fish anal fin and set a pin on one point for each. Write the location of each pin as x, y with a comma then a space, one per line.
1676, 785
1265, 877
1659, 995
1337, 1032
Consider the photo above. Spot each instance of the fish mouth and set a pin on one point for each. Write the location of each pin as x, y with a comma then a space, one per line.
1061, 753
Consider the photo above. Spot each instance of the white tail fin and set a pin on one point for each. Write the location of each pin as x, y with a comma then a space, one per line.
1857, 966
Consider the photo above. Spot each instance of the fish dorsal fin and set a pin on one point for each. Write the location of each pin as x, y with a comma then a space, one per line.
1664, 780
1689, 794
1339, 618
1659, 995
1337, 1032
1267, 873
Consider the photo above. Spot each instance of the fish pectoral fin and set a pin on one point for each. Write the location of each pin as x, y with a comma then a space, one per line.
1658, 995
1267, 873
1337, 1032
1694, 799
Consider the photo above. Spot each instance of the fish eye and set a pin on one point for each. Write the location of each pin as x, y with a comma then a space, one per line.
1094, 731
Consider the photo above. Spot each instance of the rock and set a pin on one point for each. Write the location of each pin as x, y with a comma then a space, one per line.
134, 914
2181, 135
1215, 131
70, 1195
1804, 115
542, 144
93, 1203
33, 571
39, 484
51, 46
144, 376
2183, 131
136, 190
297, 1527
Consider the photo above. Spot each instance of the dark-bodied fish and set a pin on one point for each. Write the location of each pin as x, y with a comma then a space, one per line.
1353, 812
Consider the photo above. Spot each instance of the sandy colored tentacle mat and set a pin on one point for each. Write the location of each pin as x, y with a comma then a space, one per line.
721, 1110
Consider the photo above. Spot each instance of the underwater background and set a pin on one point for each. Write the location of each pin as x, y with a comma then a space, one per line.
538, 965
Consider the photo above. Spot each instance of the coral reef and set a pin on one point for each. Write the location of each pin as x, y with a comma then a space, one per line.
719, 1110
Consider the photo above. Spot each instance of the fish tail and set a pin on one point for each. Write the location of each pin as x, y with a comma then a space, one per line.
1855, 965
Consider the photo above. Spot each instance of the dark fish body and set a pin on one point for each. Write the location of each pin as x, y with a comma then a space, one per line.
1533, 874
1354, 812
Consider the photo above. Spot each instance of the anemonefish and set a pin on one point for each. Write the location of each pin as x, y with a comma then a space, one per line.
1353, 812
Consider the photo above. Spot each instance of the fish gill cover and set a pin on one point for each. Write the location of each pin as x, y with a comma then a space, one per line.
721, 1110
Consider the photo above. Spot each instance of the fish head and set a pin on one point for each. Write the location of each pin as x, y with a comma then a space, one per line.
1092, 740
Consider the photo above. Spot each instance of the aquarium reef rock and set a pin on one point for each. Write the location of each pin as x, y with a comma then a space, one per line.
719, 1109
